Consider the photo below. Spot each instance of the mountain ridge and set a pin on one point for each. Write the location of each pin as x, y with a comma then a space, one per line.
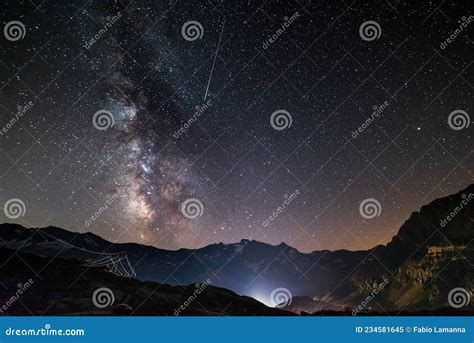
469, 189
339, 278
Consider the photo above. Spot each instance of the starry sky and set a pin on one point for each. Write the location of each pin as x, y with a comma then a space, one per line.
181, 124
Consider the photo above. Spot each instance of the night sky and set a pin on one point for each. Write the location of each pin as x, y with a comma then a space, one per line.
220, 116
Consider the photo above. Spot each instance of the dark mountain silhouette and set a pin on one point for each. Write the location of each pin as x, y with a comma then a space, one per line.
66, 287
428, 257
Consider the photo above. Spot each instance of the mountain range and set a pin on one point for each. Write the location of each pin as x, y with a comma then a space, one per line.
431, 254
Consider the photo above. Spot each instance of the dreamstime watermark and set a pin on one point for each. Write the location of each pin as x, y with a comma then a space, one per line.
459, 120
192, 30
370, 30
289, 198
281, 120
109, 22
104, 207
197, 114
103, 297
376, 289
103, 120
377, 111
465, 21
14, 30
281, 297
21, 111
192, 208
288, 21
370, 208
22, 288
466, 199
200, 287
46, 331
459, 297
14, 208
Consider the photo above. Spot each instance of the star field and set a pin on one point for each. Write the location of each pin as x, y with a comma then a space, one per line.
190, 118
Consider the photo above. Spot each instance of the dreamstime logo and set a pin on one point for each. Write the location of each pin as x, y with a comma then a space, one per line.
22, 288
459, 120
14, 208
281, 297
462, 27
281, 119
377, 111
192, 208
286, 24
459, 297
109, 22
289, 198
103, 297
370, 30
21, 111
197, 114
103, 120
14, 30
466, 199
104, 208
46, 331
370, 208
200, 287
376, 289
192, 30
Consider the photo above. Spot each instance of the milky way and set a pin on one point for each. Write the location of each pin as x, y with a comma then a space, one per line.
230, 120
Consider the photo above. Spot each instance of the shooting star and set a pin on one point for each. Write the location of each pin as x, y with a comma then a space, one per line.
214, 62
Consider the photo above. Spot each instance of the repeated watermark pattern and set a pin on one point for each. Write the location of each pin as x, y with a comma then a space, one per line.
200, 287
21, 111
22, 288
103, 297
459, 297
376, 289
459, 120
370, 30
132, 68
192, 208
192, 30
14, 30
103, 120
14, 208
200, 110
287, 22
377, 111
109, 22
370, 208
289, 198
455, 34
281, 297
281, 120
466, 199
114, 197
